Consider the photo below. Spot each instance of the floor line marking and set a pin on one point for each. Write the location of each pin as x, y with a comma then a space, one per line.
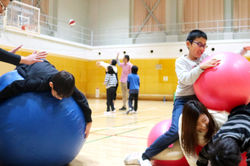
95, 140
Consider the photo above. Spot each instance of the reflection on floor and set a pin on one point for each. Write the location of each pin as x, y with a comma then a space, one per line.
114, 136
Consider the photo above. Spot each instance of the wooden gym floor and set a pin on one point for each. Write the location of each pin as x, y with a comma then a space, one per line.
113, 137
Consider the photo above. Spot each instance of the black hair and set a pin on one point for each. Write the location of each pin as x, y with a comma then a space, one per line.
127, 57
190, 115
63, 83
134, 69
113, 62
110, 70
196, 34
224, 151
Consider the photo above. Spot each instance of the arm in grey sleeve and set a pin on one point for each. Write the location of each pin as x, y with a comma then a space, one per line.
187, 77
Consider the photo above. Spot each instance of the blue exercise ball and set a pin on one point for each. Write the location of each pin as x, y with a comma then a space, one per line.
38, 130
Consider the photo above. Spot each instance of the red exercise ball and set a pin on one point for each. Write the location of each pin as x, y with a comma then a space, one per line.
227, 85
159, 129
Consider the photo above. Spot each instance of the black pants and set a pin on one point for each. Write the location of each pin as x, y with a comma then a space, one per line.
133, 97
115, 92
110, 98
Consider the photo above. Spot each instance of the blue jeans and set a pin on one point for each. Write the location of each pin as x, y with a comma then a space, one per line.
171, 135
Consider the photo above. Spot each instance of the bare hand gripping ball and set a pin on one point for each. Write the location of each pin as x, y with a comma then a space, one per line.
227, 85
37, 129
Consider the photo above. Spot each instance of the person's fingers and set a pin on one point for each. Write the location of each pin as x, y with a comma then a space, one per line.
19, 47
38, 60
40, 56
42, 53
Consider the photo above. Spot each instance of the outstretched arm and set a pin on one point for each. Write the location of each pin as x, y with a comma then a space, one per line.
12, 58
83, 104
33, 58
9, 57
103, 64
117, 60
21, 86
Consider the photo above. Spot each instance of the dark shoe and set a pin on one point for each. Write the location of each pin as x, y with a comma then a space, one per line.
123, 109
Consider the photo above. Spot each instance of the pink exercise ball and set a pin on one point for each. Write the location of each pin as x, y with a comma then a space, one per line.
227, 85
159, 129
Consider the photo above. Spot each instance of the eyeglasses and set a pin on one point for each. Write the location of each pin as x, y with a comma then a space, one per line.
199, 44
2, 6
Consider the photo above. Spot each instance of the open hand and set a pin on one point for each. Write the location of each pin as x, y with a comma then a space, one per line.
33, 58
210, 63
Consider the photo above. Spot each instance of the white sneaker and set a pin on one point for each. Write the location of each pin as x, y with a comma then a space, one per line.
136, 159
132, 159
133, 112
129, 110
114, 111
145, 162
107, 113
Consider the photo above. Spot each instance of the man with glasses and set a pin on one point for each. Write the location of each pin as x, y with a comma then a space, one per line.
11, 57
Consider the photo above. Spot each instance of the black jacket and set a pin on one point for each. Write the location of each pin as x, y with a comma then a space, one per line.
237, 127
37, 78
9, 57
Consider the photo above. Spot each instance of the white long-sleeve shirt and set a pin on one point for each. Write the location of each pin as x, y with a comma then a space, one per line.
105, 65
219, 117
187, 71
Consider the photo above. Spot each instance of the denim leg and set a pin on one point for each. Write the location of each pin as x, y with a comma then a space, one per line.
130, 101
136, 101
170, 136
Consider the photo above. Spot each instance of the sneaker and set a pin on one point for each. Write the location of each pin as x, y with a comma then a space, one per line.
123, 108
113, 111
107, 113
145, 162
133, 112
132, 159
130, 109
136, 159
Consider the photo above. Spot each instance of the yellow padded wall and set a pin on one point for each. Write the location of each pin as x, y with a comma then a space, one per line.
151, 78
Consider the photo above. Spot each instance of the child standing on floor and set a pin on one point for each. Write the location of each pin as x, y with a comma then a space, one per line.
133, 84
110, 82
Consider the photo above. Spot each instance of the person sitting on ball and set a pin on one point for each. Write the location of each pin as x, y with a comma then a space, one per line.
231, 140
43, 76
188, 69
